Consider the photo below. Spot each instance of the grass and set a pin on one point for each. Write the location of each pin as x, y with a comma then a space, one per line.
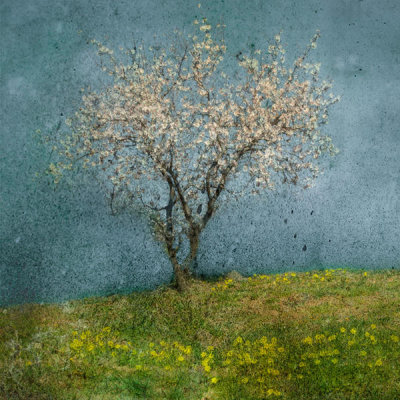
330, 334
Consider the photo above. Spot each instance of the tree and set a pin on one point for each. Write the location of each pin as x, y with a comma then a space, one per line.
173, 134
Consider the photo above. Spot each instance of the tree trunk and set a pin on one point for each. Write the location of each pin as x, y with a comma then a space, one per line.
181, 276
191, 258
183, 272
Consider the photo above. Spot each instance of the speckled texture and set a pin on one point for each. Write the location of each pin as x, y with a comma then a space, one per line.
57, 245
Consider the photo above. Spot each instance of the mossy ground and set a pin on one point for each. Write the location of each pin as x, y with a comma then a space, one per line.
330, 334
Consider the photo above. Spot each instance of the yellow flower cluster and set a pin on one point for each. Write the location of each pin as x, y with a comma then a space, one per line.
323, 346
253, 363
288, 277
262, 363
258, 366
165, 355
86, 343
222, 286
207, 359
326, 275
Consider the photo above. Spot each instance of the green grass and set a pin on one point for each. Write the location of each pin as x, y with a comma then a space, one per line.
330, 334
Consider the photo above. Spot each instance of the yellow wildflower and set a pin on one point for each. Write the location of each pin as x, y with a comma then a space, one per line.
214, 380
343, 330
378, 363
353, 331
271, 392
180, 358
238, 340
363, 353
273, 371
394, 338
373, 326
308, 340
76, 344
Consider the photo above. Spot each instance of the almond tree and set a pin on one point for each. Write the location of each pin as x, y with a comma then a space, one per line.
180, 138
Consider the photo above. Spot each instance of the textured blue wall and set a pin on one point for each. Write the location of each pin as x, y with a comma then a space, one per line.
57, 245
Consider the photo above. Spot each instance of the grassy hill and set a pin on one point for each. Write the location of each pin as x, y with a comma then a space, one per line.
331, 334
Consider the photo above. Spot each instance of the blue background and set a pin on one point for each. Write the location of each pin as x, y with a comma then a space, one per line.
62, 244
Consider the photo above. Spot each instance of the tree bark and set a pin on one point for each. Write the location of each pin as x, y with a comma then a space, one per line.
181, 276
183, 272
194, 246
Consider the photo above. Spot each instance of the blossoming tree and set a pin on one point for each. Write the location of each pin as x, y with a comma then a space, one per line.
179, 137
